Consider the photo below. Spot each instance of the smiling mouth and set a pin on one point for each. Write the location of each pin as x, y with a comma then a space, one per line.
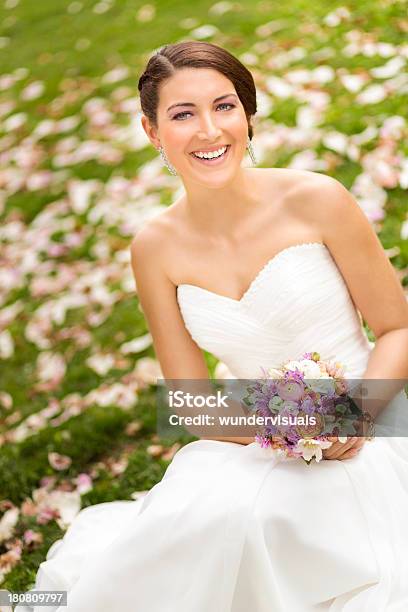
214, 160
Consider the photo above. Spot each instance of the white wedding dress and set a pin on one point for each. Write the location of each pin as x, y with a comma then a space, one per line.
232, 528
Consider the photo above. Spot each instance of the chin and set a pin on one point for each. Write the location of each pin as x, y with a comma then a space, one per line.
220, 181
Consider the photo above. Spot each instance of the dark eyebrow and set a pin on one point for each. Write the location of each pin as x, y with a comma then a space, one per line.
191, 104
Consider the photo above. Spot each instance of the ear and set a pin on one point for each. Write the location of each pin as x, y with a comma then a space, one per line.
151, 131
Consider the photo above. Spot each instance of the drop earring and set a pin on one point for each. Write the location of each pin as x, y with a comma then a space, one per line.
251, 152
166, 161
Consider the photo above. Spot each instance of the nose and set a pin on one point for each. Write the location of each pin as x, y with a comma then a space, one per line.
209, 129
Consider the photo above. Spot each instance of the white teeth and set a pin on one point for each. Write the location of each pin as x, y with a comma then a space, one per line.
210, 155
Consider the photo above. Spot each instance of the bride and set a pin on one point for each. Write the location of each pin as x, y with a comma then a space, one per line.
256, 266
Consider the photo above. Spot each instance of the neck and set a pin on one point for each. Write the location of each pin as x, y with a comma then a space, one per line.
218, 210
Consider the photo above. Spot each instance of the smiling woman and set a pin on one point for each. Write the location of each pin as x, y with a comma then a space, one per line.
249, 266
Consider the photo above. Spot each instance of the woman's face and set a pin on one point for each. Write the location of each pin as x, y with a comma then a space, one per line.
191, 119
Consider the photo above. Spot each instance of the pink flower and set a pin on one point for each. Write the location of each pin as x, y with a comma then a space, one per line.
83, 482
48, 481
31, 537
290, 391
46, 515
59, 462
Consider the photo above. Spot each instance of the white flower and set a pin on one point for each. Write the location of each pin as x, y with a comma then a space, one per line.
7, 523
372, 94
204, 31
309, 368
68, 504
51, 367
32, 91
137, 344
404, 227
100, 363
323, 385
292, 365
312, 448
6, 344
148, 370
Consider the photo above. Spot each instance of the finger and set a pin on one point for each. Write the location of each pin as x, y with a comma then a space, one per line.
349, 444
353, 449
333, 448
331, 454
339, 447
331, 457
356, 448
351, 453
355, 442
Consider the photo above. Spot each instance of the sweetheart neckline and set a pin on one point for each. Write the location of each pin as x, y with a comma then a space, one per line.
258, 276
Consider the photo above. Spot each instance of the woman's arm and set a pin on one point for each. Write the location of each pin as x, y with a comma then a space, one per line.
388, 363
371, 280
373, 284
181, 359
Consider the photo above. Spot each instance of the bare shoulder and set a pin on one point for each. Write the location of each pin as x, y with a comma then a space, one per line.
144, 243
301, 183
330, 205
309, 186
314, 197
294, 185
144, 252
158, 301
295, 195
149, 246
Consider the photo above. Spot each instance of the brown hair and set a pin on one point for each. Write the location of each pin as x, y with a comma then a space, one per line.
194, 54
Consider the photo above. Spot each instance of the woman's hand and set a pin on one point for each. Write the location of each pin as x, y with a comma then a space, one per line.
344, 450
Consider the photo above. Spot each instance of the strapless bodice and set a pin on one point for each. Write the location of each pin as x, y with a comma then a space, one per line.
298, 302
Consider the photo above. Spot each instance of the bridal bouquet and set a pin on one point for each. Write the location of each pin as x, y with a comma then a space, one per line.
301, 405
